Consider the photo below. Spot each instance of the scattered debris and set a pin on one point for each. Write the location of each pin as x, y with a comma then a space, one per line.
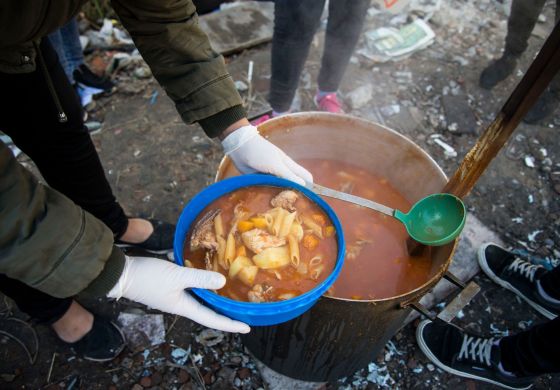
531, 236
360, 96
530, 161
210, 337
142, 330
449, 151
180, 355
389, 44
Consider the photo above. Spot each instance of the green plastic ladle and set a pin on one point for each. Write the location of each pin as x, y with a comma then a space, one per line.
434, 220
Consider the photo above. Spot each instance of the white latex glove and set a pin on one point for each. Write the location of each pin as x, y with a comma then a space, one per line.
251, 153
161, 285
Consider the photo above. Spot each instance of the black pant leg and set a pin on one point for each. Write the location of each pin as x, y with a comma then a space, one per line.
63, 152
346, 20
523, 17
39, 306
550, 282
295, 24
534, 351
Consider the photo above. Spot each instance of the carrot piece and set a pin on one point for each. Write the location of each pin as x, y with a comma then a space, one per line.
310, 241
244, 226
319, 218
259, 222
329, 231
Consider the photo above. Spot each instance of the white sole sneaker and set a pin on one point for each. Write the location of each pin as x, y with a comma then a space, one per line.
508, 286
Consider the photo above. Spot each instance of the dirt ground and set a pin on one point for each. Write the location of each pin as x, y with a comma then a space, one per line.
155, 164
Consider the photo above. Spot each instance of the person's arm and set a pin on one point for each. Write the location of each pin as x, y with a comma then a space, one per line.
49, 243
195, 77
179, 54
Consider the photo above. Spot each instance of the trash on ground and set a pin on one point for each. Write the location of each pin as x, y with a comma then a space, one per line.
210, 337
390, 44
530, 161
241, 86
390, 110
359, 97
531, 236
180, 355
379, 375
142, 330
448, 150
108, 36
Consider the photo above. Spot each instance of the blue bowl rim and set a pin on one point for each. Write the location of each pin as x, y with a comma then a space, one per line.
228, 185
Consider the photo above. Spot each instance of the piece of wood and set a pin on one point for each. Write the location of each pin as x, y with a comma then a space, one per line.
541, 71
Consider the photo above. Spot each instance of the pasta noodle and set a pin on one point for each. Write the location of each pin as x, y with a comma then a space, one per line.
221, 251
294, 250
230, 250
280, 215
286, 224
296, 230
316, 272
314, 226
315, 260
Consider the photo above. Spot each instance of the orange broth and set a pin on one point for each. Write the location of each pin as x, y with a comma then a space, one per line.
257, 200
382, 268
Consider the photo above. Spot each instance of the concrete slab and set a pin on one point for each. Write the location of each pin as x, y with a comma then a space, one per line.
239, 27
464, 267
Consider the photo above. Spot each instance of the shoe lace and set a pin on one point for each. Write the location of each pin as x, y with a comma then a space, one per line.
524, 268
476, 349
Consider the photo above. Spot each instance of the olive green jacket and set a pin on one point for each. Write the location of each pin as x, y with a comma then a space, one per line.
167, 35
46, 241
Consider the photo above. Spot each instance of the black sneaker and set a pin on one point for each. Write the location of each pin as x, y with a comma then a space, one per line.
160, 241
516, 275
465, 355
104, 342
83, 75
497, 71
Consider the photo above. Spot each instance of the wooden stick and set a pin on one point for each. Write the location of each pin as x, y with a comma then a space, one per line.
541, 71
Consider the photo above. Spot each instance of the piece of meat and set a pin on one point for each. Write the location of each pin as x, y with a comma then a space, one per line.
285, 199
240, 213
203, 233
258, 240
259, 293
354, 250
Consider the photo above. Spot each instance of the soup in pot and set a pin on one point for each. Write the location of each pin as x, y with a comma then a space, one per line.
377, 264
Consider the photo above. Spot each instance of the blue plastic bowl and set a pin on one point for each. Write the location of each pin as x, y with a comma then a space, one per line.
256, 314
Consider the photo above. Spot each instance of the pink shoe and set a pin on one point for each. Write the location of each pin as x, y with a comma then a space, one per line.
261, 120
329, 103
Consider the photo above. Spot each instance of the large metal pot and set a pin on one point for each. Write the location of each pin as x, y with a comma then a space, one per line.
339, 336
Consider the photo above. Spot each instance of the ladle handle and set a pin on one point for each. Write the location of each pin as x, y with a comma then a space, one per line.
329, 192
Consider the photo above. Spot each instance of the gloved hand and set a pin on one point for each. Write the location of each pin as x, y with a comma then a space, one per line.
251, 153
161, 285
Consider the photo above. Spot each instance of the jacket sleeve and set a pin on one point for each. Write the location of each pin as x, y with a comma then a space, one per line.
180, 56
48, 242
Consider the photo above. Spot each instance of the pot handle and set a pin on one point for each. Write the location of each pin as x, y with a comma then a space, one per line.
468, 292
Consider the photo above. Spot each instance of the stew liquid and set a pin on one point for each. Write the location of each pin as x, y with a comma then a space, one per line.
377, 264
